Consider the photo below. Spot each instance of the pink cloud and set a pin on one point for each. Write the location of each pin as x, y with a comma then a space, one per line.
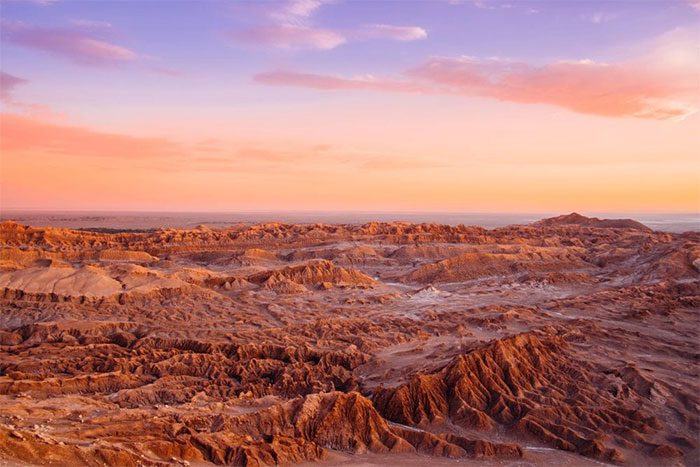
292, 36
613, 90
289, 36
165, 71
8, 83
89, 23
661, 85
491, 5
388, 31
289, 25
293, 11
325, 82
601, 17
22, 133
78, 46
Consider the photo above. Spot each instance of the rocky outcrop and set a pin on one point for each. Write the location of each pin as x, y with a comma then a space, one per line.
315, 273
88, 281
126, 256
339, 421
579, 220
529, 384
468, 266
280, 284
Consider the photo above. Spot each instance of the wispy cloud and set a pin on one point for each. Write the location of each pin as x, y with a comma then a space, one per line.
289, 37
169, 72
29, 135
497, 5
491, 5
75, 45
43, 2
290, 25
388, 31
265, 159
600, 17
326, 82
92, 24
24, 133
8, 83
661, 85
614, 90
294, 11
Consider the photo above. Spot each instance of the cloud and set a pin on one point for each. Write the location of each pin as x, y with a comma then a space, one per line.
387, 31
262, 158
8, 83
254, 157
43, 2
327, 83
289, 37
89, 23
28, 140
600, 17
170, 72
23, 134
661, 85
75, 45
495, 5
613, 90
290, 26
295, 11
491, 5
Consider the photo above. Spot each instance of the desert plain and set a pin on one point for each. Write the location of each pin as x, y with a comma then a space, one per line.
569, 341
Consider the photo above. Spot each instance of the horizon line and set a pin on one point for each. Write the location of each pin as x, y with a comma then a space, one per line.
336, 211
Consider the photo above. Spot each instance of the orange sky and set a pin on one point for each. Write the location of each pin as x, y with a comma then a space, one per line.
447, 133
405, 163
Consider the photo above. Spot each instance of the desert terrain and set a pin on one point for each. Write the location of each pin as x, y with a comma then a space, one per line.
568, 341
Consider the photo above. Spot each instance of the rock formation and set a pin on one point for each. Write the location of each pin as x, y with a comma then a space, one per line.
579, 220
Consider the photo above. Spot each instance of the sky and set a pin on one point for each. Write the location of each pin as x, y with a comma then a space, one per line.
440, 105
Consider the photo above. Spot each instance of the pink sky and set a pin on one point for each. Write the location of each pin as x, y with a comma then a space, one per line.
320, 105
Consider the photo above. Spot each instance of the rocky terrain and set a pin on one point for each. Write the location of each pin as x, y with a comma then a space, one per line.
571, 341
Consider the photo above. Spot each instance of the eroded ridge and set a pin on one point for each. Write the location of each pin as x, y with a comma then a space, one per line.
530, 384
